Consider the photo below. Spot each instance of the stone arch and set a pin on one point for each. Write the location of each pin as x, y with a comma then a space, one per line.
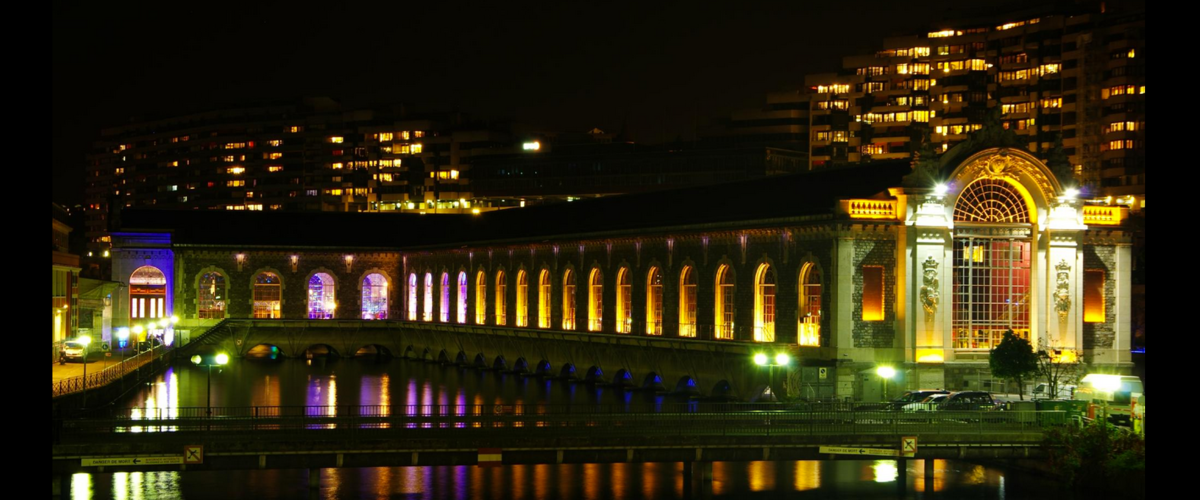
480, 362
460, 359
544, 369
500, 364
722, 390
623, 378
521, 366
264, 351
686, 386
443, 357
320, 350
594, 374
373, 350
567, 372
653, 382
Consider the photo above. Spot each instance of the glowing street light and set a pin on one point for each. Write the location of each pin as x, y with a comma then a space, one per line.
886, 373
781, 359
220, 359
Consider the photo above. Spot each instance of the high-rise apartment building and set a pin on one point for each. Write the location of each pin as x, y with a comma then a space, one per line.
1076, 72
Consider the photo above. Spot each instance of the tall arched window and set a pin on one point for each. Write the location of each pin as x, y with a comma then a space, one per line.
444, 309
624, 301
654, 302
545, 288
687, 302
321, 296
427, 313
595, 301
993, 280
375, 296
568, 320
522, 298
480, 298
212, 296
724, 303
501, 295
764, 304
268, 292
147, 293
462, 297
810, 307
412, 297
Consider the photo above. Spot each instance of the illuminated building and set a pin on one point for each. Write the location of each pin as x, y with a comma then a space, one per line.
64, 282
1077, 72
847, 267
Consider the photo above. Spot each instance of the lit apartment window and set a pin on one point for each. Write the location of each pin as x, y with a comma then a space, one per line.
501, 298
462, 298
624, 301
810, 306
764, 304
267, 296
275, 143
336, 139
385, 136
416, 148
522, 298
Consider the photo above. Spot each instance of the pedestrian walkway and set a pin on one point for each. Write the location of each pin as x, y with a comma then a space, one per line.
75, 369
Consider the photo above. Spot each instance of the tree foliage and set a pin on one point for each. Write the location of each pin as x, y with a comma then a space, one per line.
1014, 359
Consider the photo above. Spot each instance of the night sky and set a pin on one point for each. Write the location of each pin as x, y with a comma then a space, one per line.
656, 67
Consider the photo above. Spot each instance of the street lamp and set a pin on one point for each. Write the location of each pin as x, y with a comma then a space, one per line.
781, 359
219, 359
886, 373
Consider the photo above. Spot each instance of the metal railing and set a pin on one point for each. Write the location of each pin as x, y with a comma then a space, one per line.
107, 375
541, 421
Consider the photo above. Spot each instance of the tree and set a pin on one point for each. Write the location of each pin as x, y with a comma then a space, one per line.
1014, 359
1057, 372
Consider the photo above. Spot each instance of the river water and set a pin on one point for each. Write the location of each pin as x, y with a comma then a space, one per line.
363, 382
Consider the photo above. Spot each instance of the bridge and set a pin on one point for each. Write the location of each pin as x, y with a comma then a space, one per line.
696, 367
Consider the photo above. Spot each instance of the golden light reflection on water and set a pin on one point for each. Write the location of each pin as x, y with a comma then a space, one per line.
81, 486
808, 475
885, 471
592, 483
761, 475
975, 475
541, 478
650, 473
721, 470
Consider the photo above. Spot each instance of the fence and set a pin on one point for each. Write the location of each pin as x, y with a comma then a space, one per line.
108, 375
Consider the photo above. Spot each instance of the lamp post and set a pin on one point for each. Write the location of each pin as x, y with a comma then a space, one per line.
220, 359
85, 340
886, 373
781, 359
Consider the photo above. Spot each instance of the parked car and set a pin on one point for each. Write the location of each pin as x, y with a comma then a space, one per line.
72, 351
928, 404
968, 400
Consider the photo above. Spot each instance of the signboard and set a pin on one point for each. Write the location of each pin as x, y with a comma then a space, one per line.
908, 445
490, 457
844, 450
98, 462
193, 454
823, 372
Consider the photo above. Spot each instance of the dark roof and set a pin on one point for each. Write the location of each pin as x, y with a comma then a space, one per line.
773, 197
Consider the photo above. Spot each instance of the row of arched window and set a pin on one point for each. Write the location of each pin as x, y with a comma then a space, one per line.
322, 304
764, 317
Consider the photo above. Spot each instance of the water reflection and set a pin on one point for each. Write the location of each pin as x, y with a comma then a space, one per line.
732, 480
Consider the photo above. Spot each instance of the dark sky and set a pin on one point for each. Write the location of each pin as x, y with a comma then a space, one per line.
655, 65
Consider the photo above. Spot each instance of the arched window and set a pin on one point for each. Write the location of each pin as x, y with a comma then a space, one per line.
501, 295
462, 297
595, 301
212, 296
267, 296
810, 307
522, 299
545, 288
427, 313
992, 270
687, 302
480, 298
764, 304
624, 301
147, 293
724, 303
375, 296
444, 309
654, 302
322, 300
568, 320
412, 297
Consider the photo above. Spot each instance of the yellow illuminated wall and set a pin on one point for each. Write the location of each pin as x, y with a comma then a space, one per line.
872, 297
